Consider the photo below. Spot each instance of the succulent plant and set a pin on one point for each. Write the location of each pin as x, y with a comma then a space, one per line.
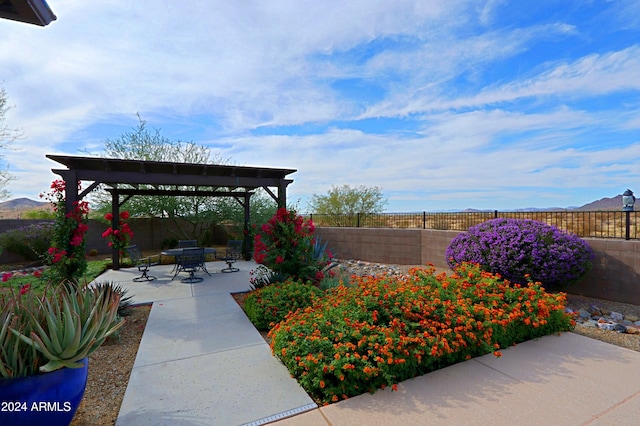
43, 333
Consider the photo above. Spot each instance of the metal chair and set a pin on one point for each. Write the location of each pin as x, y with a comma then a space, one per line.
191, 260
142, 263
233, 253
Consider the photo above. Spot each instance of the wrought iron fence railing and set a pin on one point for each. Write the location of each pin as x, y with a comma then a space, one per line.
588, 224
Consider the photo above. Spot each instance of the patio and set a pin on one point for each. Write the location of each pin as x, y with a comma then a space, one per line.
200, 360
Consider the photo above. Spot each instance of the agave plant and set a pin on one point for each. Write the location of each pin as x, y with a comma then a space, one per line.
43, 333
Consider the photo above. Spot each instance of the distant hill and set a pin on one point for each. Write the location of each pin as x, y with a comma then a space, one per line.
614, 203
609, 204
13, 208
21, 204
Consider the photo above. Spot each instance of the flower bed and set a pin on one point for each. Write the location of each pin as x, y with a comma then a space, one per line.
377, 332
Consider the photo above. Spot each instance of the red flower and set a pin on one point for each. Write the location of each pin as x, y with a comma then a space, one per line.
124, 215
279, 259
6, 276
25, 288
108, 216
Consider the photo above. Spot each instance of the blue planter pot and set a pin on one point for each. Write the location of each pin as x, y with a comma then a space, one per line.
45, 399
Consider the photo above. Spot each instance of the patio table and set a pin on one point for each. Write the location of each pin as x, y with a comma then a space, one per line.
177, 252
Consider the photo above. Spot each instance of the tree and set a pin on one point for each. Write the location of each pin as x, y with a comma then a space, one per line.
199, 213
7, 136
345, 200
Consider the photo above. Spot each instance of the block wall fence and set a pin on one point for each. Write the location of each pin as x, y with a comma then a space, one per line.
615, 273
149, 234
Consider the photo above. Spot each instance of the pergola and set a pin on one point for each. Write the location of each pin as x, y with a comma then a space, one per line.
35, 12
127, 178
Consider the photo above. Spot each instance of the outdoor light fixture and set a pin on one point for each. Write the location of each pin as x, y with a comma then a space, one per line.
35, 12
628, 201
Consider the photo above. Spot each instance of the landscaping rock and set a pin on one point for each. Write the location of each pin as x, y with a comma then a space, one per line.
632, 318
616, 316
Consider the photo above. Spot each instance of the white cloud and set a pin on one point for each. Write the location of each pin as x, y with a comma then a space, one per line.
435, 67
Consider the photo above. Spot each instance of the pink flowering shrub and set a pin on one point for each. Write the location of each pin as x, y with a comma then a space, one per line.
118, 238
287, 246
66, 255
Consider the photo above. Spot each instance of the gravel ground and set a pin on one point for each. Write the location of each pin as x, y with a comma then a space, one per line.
109, 370
111, 364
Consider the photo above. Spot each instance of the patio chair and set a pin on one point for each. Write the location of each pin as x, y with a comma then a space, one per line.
233, 253
142, 263
191, 260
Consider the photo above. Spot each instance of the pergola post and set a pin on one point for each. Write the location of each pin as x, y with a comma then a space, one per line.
115, 224
247, 246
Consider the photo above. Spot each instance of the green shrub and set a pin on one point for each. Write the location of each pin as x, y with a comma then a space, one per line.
30, 242
269, 305
380, 331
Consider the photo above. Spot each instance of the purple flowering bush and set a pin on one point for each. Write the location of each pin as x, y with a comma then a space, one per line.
523, 250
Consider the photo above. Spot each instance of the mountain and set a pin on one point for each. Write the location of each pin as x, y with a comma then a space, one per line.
21, 204
608, 204
614, 203
12, 209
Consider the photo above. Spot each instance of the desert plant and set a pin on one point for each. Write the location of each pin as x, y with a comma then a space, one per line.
126, 302
330, 282
521, 250
30, 242
40, 334
269, 305
263, 276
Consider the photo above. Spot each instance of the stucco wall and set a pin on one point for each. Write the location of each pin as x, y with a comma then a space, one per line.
149, 234
615, 273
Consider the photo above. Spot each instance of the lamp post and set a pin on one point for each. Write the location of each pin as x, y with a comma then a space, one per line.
628, 200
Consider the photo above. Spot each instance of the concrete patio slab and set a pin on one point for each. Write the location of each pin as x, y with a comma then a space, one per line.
185, 328
148, 291
225, 388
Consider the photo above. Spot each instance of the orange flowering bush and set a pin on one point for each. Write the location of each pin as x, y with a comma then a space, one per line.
380, 331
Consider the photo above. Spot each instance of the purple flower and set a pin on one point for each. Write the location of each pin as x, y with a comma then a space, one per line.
515, 248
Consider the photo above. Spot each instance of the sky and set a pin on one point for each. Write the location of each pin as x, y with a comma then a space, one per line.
492, 104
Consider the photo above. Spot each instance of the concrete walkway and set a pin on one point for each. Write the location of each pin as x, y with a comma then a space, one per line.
201, 362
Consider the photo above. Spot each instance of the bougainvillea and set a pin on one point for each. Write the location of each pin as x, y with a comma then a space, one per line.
520, 249
383, 330
66, 254
119, 238
286, 245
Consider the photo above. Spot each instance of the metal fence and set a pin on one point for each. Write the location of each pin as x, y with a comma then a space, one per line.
587, 224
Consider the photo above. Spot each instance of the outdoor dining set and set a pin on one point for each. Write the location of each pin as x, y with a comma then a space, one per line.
189, 258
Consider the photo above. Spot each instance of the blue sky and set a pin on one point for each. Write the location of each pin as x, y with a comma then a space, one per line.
443, 105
